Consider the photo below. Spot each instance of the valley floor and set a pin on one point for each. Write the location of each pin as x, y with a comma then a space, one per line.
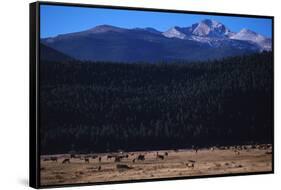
169, 163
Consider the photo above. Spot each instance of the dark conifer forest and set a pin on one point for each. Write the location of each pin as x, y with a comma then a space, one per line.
104, 106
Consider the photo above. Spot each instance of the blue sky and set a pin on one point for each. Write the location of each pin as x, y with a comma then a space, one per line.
56, 20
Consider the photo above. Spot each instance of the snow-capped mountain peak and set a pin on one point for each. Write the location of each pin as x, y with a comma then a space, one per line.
253, 37
210, 28
214, 32
174, 32
205, 28
246, 34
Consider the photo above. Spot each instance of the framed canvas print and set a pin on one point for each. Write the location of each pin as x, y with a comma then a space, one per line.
120, 94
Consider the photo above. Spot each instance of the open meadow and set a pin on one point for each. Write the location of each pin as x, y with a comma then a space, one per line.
103, 167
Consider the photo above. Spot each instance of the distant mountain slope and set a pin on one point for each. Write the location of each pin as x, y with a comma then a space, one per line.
205, 40
248, 35
50, 54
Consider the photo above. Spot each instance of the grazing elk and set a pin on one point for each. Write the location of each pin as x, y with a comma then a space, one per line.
269, 146
94, 156
161, 157
87, 160
123, 156
117, 159
66, 161
99, 168
196, 148
109, 157
72, 156
141, 157
54, 159
99, 159
87, 156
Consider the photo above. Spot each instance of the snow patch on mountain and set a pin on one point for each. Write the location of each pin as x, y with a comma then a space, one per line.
248, 35
174, 33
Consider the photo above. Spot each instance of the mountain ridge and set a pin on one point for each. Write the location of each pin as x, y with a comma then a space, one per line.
207, 39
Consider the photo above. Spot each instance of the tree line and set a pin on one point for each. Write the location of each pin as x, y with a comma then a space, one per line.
105, 106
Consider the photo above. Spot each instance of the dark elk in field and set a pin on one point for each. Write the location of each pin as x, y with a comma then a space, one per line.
141, 157
55, 159
66, 161
161, 157
87, 160
117, 159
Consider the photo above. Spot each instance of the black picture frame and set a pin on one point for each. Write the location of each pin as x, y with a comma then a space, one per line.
34, 92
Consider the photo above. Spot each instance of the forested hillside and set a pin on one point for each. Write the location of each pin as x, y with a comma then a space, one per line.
105, 106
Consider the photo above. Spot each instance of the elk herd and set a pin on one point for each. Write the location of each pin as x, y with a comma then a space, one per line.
112, 157
134, 157
237, 149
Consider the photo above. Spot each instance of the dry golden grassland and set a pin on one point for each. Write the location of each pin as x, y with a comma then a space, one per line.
105, 167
